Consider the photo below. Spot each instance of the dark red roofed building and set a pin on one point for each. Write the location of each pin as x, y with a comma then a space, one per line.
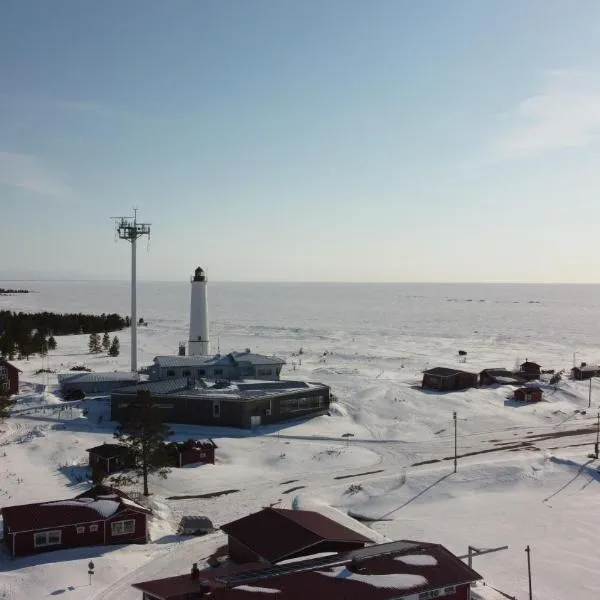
395, 571
275, 534
530, 369
110, 458
9, 378
528, 394
191, 452
99, 516
444, 379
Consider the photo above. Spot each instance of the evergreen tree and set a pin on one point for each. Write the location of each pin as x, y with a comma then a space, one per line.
94, 343
51, 343
115, 347
106, 342
143, 432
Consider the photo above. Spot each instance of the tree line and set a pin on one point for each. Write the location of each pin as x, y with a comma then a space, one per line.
25, 334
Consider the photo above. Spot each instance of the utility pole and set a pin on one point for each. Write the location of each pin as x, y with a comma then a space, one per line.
597, 436
528, 550
129, 229
455, 443
590, 395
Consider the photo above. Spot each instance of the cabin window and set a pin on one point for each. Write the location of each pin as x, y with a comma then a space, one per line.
216, 409
170, 373
3, 371
47, 538
264, 372
201, 372
94, 528
122, 527
80, 530
187, 373
218, 371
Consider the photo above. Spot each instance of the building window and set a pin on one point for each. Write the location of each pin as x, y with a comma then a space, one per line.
264, 372
218, 371
170, 373
94, 528
47, 538
123, 527
201, 372
187, 373
80, 530
216, 409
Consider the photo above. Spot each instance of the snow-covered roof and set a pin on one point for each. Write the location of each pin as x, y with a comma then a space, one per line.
103, 507
85, 377
233, 358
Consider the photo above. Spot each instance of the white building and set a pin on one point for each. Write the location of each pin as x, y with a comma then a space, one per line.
199, 342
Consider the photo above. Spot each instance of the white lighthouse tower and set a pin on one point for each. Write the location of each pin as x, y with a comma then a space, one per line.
199, 344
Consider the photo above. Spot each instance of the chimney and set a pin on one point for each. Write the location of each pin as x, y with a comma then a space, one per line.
583, 365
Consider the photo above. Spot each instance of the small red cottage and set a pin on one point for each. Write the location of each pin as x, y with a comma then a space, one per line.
191, 452
100, 516
528, 394
275, 534
9, 378
110, 458
403, 570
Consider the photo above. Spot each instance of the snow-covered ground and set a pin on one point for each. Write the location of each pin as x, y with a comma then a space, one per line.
523, 475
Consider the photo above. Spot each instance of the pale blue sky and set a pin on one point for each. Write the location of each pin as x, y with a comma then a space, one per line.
325, 140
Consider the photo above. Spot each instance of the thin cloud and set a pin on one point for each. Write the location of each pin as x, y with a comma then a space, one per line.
87, 108
564, 114
29, 173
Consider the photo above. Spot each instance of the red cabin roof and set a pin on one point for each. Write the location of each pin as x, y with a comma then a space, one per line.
277, 533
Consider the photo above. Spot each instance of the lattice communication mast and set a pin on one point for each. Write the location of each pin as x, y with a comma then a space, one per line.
127, 228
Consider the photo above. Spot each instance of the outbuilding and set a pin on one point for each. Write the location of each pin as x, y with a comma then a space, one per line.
444, 379
275, 534
99, 516
528, 394
585, 371
499, 376
110, 458
530, 369
9, 378
180, 454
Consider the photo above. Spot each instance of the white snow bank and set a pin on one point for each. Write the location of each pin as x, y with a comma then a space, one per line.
255, 588
418, 560
306, 502
401, 581
104, 508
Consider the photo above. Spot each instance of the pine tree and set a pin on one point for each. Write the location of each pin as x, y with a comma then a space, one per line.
106, 342
115, 347
94, 343
143, 432
51, 343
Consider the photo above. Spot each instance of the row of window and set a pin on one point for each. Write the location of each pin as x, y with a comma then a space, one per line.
188, 372
288, 405
54, 538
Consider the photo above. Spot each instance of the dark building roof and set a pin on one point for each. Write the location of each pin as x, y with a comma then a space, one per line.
383, 572
109, 450
192, 445
191, 523
277, 533
587, 368
4, 362
96, 504
446, 372
529, 363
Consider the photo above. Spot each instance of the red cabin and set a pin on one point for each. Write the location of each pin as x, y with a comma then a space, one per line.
191, 452
9, 378
99, 516
528, 394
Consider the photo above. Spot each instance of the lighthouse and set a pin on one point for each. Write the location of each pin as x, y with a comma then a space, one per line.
199, 344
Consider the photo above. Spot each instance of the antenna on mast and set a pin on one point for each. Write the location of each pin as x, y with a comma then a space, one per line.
127, 228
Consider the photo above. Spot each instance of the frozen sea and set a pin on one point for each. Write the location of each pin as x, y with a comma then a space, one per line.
410, 322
